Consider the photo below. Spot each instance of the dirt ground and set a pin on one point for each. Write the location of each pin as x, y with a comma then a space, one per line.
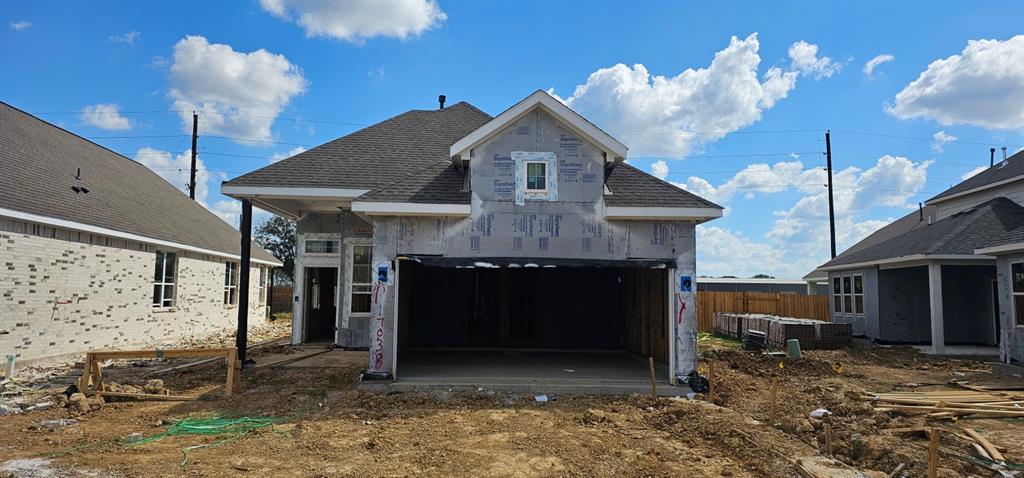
326, 428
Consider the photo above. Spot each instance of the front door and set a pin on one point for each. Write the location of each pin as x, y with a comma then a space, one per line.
321, 303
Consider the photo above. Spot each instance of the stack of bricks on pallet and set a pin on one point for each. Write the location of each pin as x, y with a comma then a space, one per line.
812, 334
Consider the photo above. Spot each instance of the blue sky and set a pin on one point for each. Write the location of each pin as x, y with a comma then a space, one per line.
728, 100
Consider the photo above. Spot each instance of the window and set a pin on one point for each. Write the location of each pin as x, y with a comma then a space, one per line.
858, 294
847, 298
230, 283
1017, 273
263, 285
536, 176
837, 295
362, 282
321, 247
163, 279
848, 294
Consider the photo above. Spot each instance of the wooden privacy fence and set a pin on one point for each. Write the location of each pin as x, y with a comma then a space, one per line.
785, 305
281, 299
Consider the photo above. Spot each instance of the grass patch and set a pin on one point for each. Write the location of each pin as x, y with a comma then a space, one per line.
708, 341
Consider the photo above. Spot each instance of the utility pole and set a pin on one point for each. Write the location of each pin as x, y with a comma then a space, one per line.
192, 172
831, 207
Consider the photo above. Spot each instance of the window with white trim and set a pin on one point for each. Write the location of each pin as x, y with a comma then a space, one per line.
848, 294
837, 295
230, 283
1017, 283
362, 278
164, 274
263, 285
536, 176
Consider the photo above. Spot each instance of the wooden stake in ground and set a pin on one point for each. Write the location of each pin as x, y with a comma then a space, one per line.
771, 400
933, 452
828, 439
654, 383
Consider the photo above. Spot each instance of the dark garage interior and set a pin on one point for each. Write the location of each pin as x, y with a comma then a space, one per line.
544, 320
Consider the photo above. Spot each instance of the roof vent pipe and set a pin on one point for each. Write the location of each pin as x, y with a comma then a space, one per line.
1004, 153
440, 99
920, 212
991, 157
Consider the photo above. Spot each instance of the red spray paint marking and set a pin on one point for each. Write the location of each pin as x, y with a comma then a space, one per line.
378, 356
682, 308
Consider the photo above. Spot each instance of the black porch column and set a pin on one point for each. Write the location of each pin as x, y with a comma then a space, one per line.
245, 227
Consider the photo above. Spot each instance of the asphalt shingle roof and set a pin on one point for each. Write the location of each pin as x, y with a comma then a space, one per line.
1012, 167
375, 156
38, 164
406, 159
438, 183
633, 187
960, 233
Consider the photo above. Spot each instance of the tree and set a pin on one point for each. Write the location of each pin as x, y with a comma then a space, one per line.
763, 276
277, 236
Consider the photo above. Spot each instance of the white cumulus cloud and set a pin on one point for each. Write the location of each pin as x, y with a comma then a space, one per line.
358, 20
279, 156
758, 178
941, 140
235, 93
176, 170
660, 169
869, 67
105, 116
19, 25
798, 240
805, 59
661, 115
982, 86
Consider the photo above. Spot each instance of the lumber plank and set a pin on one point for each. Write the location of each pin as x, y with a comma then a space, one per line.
148, 396
987, 445
154, 353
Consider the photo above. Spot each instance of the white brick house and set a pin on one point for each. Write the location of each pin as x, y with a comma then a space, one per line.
96, 251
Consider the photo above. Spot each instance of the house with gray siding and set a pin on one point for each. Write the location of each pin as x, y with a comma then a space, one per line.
99, 252
438, 235
942, 275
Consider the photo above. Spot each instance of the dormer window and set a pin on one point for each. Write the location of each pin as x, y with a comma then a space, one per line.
536, 176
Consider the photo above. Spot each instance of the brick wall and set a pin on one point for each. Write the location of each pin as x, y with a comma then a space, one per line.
63, 293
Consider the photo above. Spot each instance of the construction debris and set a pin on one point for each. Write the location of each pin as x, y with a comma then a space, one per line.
950, 403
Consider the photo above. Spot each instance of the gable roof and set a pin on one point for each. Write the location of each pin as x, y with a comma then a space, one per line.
540, 99
1011, 169
39, 163
375, 156
958, 234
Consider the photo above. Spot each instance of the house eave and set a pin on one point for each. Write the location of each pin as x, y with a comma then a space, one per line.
51, 221
975, 190
1001, 249
370, 208
637, 213
908, 260
247, 192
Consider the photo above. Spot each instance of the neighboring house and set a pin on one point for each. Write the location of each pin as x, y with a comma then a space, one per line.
739, 284
97, 251
943, 275
817, 282
450, 229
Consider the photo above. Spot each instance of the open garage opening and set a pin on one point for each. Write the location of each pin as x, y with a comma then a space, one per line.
575, 324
